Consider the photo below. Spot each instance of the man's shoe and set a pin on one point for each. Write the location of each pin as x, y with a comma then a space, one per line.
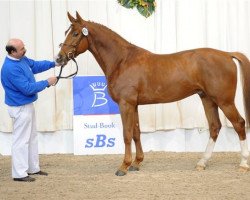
39, 173
25, 179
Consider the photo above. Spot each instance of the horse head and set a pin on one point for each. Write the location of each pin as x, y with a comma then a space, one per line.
76, 41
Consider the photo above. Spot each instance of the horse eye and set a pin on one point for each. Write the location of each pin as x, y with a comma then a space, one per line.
75, 34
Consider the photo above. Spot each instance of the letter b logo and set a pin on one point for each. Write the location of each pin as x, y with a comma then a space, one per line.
100, 140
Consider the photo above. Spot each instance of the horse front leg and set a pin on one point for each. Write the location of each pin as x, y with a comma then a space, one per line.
136, 137
128, 115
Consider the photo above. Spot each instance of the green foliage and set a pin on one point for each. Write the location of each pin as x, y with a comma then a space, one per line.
144, 7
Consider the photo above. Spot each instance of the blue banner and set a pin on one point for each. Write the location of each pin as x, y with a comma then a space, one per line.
91, 96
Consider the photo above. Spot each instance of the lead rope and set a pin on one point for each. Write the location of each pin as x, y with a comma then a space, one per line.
69, 76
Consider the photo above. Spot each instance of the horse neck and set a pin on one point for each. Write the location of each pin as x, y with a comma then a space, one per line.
108, 48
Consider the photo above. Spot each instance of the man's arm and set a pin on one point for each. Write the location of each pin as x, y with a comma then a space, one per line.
40, 66
22, 83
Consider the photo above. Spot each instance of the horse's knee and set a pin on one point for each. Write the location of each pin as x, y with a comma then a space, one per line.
136, 138
127, 139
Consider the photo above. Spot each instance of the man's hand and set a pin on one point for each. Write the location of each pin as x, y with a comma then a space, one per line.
52, 80
57, 64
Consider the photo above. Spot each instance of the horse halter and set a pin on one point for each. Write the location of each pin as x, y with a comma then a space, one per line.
71, 55
69, 76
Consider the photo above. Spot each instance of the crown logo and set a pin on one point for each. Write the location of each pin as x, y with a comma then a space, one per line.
98, 86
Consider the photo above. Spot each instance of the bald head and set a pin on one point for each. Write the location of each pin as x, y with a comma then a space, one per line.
14, 42
15, 48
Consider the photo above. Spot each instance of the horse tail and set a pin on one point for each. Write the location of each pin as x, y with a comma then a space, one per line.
245, 80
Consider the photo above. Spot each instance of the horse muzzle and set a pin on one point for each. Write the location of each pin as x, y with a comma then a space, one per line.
62, 60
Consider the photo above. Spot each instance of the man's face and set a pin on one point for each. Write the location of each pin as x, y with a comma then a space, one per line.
20, 50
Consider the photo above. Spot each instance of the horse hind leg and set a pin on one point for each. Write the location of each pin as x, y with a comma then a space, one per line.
238, 123
136, 137
211, 110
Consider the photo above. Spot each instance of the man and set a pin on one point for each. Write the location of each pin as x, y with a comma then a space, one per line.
21, 88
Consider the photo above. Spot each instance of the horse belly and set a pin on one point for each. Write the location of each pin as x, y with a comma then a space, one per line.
165, 94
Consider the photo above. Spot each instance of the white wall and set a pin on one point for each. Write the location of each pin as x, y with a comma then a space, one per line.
179, 140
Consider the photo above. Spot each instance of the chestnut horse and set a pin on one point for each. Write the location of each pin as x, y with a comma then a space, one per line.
136, 76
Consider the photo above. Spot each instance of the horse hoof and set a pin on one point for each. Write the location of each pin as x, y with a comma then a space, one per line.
200, 168
133, 168
120, 173
243, 169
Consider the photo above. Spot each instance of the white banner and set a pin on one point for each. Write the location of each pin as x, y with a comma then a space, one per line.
98, 134
97, 122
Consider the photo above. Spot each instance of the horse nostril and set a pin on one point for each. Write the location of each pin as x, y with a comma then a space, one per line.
58, 58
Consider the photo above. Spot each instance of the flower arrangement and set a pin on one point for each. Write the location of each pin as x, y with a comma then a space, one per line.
144, 7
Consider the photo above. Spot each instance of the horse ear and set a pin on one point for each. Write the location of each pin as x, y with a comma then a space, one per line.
71, 19
78, 17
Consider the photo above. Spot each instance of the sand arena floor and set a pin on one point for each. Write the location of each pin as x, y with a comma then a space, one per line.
163, 175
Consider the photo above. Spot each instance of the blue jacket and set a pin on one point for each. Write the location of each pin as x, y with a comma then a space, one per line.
17, 77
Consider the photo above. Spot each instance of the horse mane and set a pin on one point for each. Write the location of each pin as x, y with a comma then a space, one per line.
111, 32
